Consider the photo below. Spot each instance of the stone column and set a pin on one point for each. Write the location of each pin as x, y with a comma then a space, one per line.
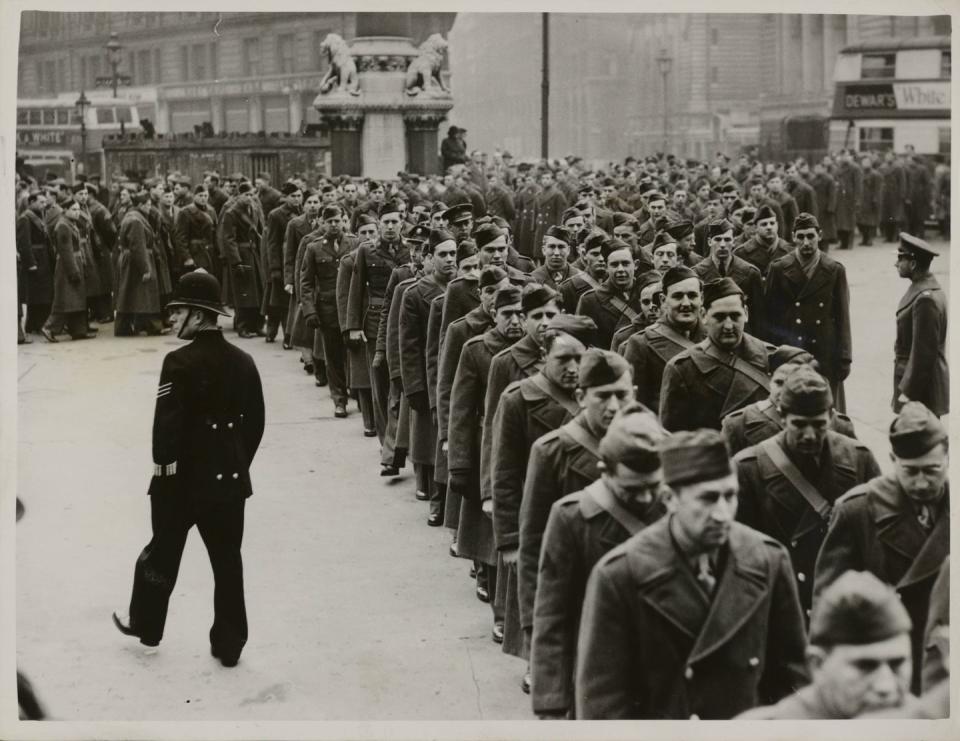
255, 111
422, 149
808, 49
346, 141
163, 116
296, 110
217, 115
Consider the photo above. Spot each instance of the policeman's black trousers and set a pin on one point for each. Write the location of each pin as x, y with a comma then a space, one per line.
155, 574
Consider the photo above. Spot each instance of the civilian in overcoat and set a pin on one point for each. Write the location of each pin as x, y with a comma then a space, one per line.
892, 214
240, 240
32, 234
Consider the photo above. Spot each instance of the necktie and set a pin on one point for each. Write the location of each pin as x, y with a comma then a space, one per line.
705, 573
925, 516
722, 269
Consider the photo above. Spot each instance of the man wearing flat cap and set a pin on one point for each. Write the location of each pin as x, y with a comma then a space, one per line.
807, 305
467, 478
722, 263
790, 482
761, 420
696, 616
556, 267
765, 245
207, 428
566, 460
679, 328
720, 374
275, 298
580, 529
920, 371
858, 657
373, 264
616, 302
240, 240
528, 410
897, 526
439, 260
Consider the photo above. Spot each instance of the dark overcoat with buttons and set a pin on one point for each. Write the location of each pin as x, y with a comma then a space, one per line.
648, 353
69, 287
473, 324
209, 420
275, 298
653, 645
574, 287
770, 503
414, 314
32, 235
579, 532
756, 422
698, 389
598, 304
920, 369
373, 263
812, 314
874, 528
240, 240
319, 271
358, 374
558, 465
193, 232
525, 413
464, 433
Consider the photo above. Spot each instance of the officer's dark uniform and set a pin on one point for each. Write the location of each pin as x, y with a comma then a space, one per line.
207, 426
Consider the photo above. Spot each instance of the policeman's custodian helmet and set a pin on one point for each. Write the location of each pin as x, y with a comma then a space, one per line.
199, 290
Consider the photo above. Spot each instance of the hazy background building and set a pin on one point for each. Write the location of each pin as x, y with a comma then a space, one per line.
731, 79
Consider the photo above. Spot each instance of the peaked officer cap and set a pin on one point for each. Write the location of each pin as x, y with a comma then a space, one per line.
916, 246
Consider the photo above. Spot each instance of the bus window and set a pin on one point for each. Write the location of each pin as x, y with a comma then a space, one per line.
875, 139
945, 65
123, 115
22, 117
49, 116
104, 115
36, 117
878, 66
63, 116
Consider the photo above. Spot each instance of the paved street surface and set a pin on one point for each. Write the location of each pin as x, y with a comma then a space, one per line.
356, 611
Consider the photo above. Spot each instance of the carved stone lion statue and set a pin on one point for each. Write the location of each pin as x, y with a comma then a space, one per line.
423, 74
342, 73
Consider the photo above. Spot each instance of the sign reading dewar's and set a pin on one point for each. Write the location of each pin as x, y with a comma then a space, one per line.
894, 96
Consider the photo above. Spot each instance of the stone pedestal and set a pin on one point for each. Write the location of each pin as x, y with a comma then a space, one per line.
389, 130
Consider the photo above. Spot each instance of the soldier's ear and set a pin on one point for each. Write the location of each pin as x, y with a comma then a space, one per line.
669, 497
579, 394
815, 658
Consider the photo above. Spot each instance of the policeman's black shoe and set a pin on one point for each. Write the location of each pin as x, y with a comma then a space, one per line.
525, 683
227, 661
373, 433
422, 496
497, 632
122, 623
340, 411
435, 519
48, 335
389, 471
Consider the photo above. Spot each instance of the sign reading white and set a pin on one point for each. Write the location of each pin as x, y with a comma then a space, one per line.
922, 95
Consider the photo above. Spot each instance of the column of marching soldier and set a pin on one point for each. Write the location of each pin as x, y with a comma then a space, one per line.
628, 412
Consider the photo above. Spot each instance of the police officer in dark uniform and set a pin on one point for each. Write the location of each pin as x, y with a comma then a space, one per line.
920, 371
207, 426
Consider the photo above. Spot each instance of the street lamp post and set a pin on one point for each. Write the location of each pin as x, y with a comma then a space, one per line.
114, 47
665, 61
82, 104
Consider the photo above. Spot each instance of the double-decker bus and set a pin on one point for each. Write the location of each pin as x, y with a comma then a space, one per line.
891, 94
50, 137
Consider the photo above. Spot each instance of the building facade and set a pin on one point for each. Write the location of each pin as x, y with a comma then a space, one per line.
728, 82
239, 72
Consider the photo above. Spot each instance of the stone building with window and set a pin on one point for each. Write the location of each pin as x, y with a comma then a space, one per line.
239, 72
